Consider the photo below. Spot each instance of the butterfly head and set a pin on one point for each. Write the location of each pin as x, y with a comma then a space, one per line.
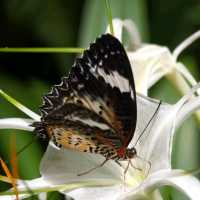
130, 153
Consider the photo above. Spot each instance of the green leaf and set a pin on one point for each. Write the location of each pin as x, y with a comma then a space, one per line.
28, 93
94, 19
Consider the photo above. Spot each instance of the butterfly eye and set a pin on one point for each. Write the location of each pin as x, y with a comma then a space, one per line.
130, 153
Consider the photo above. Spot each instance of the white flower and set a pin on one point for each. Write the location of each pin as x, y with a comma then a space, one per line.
59, 168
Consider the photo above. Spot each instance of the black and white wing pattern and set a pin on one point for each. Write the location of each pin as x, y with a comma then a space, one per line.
94, 108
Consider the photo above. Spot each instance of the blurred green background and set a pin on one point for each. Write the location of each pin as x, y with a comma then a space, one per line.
61, 23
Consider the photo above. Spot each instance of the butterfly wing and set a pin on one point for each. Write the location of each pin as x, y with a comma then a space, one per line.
95, 103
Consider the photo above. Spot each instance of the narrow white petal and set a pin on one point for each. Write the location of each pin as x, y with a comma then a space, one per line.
134, 35
26, 185
13, 197
179, 81
190, 104
184, 72
187, 42
130, 27
16, 123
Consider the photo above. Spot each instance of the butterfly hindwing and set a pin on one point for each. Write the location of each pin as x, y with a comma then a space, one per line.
79, 136
98, 97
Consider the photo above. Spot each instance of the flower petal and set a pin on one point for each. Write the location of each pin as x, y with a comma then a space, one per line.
153, 145
100, 193
156, 143
16, 123
179, 179
190, 104
149, 64
135, 39
27, 186
63, 166
108, 193
187, 42
130, 27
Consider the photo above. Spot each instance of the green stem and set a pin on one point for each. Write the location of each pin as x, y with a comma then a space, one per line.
19, 106
41, 50
109, 15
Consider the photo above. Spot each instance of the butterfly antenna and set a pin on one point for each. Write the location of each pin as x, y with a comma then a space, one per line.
148, 122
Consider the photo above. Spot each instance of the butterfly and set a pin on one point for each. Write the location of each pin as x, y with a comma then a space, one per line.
94, 108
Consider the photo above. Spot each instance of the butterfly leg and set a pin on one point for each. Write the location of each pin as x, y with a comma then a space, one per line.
92, 169
118, 163
125, 171
137, 168
148, 162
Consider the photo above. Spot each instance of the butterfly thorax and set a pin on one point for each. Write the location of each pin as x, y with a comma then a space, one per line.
126, 154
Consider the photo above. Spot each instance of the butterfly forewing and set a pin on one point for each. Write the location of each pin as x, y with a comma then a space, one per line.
94, 108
